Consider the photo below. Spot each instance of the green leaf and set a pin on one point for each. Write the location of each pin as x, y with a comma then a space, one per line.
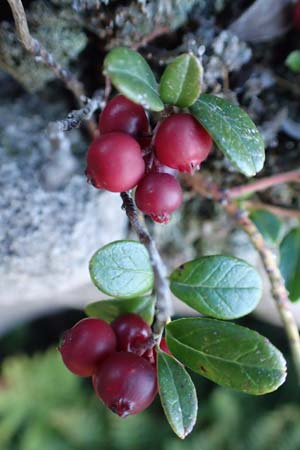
122, 269
233, 131
180, 82
293, 61
227, 354
269, 225
218, 286
132, 76
109, 310
177, 393
290, 263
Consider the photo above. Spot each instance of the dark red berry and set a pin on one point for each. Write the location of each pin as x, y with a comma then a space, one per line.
126, 383
121, 114
164, 346
115, 162
158, 195
151, 355
86, 345
182, 143
133, 334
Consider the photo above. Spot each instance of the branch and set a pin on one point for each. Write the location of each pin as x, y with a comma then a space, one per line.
279, 292
76, 118
163, 307
34, 47
277, 210
263, 183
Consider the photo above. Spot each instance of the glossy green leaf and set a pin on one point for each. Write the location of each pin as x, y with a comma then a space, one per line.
293, 61
180, 82
122, 269
132, 76
218, 286
290, 263
233, 131
177, 393
269, 225
109, 310
228, 354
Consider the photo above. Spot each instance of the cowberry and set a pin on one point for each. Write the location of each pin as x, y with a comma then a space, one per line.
86, 345
151, 355
126, 383
182, 143
133, 333
115, 162
121, 114
158, 195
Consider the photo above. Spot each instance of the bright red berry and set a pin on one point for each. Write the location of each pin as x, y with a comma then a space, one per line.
86, 345
182, 143
126, 383
115, 162
121, 114
133, 333
158, 195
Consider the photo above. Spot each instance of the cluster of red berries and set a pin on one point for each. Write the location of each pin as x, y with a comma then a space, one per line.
120, 358
126, 155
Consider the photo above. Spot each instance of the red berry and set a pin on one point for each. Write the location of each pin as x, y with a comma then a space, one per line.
164, 346
121, 114
126, 383
86, 344
133, 334
115, 162
158, 195
151, 354
182, 143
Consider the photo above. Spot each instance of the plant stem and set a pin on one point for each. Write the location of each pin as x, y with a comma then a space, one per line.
279, 292
41, 54
277, 210
263, 183
163, 306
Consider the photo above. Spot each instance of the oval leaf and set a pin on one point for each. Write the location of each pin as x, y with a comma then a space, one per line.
290, 263
233, 131
177, 394
218, 286
109, 310
132, 76
227, 354
180, 82
268, 224
122, 269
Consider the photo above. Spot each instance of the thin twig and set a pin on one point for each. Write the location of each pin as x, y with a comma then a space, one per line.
158, 31
279, 292
39, 52
76, 118
277, 210
163, 307
263, 183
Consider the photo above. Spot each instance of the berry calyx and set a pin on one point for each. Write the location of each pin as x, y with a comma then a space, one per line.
115, 162
182, 143
133, 334
158, 195
86, 345
121, 114
126, 383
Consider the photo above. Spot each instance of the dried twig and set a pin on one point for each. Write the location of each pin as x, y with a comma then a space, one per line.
279, 292
263, 183
39, 52
163, 308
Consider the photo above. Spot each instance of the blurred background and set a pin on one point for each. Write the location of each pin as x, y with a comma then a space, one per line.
52, 221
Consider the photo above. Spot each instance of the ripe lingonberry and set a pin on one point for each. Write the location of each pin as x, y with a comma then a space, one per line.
121, 114
126, 383
182, 143
158, 195
151, 355
115, 162
133, 333
86, 345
